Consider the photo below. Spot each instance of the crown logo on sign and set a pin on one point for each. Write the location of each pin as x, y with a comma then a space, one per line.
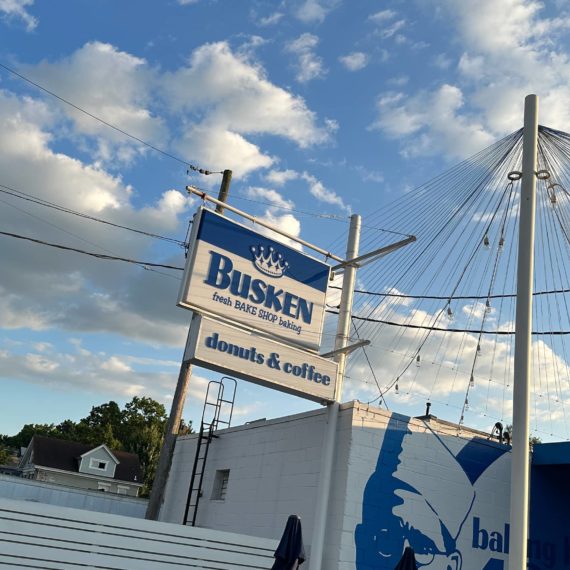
269, 261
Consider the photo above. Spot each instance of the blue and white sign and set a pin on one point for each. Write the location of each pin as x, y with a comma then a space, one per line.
245, 277
257, 359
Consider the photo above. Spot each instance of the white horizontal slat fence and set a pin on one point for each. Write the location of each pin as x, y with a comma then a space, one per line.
48, 537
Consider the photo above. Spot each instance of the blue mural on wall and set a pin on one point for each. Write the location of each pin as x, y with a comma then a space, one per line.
421, 494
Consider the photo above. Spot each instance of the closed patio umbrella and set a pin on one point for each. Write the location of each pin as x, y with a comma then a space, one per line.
408, 560
290, 553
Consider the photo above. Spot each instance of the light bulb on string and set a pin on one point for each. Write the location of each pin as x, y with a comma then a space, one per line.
418, 360
486, 242
487, 306
449, 312
478, 348
396, 387
501, 243
466, 403
472, 381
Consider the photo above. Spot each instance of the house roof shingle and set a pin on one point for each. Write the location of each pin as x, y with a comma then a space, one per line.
64, 454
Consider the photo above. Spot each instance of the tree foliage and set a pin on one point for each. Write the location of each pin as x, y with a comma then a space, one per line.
137, 428
532, 440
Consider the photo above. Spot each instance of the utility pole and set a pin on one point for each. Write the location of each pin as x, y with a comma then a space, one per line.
341, 341
523, 342
173, 424
224, 190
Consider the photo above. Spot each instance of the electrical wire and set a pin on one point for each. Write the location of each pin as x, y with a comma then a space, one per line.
106, 123
103, 256
40, 201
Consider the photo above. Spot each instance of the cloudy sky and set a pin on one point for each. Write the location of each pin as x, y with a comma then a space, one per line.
321, 108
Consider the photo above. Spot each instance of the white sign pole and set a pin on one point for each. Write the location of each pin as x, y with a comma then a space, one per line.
341, 341
523, 342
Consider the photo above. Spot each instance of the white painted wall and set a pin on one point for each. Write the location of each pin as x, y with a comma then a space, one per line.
60, 495
275, 468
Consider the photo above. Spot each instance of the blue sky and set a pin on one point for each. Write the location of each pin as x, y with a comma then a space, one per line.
320, 107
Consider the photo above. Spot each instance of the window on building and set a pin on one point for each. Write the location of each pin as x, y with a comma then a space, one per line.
122, 490
98, 464
220, 484
105, 487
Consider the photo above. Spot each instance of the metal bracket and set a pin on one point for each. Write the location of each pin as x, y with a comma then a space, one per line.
367, 258
346, 349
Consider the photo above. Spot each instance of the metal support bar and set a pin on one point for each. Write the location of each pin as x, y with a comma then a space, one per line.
523, 342
329, 444
259, 222
345, 349
373, 255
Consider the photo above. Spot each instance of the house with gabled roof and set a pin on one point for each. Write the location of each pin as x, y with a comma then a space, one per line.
83, 466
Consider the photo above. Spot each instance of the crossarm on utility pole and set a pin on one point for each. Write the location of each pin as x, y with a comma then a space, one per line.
371, 256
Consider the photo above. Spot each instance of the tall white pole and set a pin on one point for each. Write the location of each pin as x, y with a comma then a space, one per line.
342, 336
523, 342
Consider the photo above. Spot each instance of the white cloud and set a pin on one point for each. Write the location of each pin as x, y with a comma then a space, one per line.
354, 61
309, 65
509, 49
315, 11
316, 187
221, 148
237, 97
382, 16
221, 97
281, 177
43, 288
399, 80
271, 20
115, 364
269, 195
430, 123
111, 84
391, 30
17, 9
318, 190
273, 215
442, 61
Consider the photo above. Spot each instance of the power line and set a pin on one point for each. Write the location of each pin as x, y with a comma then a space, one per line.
334, 217
451, 297
36, 200
443, 329
106, 123
103, 256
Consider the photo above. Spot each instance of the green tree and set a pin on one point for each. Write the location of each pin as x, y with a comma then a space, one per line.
4, 455
137, 428
24, 436
142, 430
532, 440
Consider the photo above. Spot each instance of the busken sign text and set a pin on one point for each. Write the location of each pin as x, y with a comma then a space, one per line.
222, 275
245, 277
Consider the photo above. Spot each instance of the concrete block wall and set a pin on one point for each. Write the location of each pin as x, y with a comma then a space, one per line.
274, 472
427, 484
396, 481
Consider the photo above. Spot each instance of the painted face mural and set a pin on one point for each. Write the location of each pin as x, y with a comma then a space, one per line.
421, 494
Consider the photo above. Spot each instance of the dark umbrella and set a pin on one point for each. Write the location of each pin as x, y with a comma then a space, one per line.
290, 553
408, 560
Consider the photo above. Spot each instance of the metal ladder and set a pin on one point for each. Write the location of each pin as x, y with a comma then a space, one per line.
216, 406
